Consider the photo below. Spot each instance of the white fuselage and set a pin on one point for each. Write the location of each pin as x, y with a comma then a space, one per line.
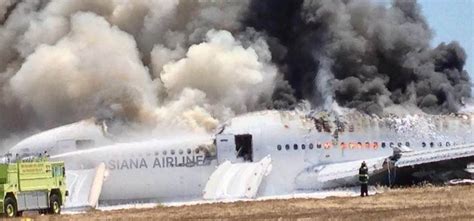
180, 168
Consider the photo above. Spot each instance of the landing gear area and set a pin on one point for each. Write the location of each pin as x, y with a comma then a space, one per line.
243, 146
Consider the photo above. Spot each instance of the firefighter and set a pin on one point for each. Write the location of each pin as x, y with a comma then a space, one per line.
364, 179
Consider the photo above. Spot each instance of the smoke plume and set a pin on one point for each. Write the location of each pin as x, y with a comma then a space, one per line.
192, 64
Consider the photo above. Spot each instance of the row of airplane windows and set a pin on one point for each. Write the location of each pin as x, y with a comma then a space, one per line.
374, 145
180, 152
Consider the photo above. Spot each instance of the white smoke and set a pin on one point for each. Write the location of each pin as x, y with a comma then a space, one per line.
66, 80
218, 78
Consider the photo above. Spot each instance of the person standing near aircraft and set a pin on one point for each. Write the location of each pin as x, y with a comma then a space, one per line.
364, 179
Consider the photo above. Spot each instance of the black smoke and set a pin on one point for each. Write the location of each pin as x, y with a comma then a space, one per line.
377, 56
357, 53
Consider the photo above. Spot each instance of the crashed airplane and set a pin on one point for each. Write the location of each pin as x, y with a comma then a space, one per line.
257, 154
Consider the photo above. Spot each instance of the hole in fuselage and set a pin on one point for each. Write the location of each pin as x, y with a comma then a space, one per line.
243, 146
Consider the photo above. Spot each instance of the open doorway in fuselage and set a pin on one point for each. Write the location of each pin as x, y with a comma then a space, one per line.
243, 146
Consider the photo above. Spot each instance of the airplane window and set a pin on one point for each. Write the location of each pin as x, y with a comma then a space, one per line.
367, 144
303, 146
383, 144
311, 146
84, 144
407, 144
287, 147
172, 152
197, 151
295, 146
391, 144
164, 152
448, 144
431, 144
376, 145
181, 152
157, 153
343, 145
423, 144
359, 144
440, 144
188, 151
399, 144
279, 147
318, 146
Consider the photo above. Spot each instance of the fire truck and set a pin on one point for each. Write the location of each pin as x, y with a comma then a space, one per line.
36, 184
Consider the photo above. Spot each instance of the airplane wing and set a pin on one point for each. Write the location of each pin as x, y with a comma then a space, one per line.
438, 165
337, 174
84, 187
434, 155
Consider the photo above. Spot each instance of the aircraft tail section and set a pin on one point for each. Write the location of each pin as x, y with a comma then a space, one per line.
84, 187
238, 180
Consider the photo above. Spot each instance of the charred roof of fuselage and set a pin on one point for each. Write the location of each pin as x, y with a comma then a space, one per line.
329, 122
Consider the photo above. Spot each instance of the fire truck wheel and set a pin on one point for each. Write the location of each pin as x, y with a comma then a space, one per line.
10, 207
54, 204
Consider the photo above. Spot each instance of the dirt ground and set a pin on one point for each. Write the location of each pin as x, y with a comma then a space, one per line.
433, 203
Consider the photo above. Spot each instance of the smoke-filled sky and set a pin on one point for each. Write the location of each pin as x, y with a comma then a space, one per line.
192, 64
451, 20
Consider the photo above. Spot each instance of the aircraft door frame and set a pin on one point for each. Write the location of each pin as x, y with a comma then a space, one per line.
225, 145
